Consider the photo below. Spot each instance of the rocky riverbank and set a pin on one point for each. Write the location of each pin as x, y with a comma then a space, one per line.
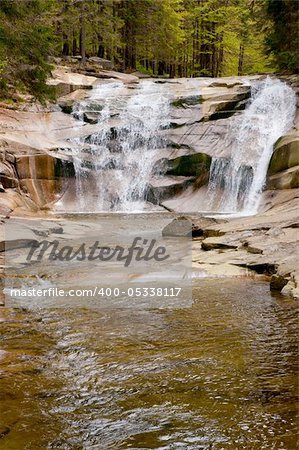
37, 168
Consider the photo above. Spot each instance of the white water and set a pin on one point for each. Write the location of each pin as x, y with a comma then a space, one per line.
114, 158
236, 183
113, 165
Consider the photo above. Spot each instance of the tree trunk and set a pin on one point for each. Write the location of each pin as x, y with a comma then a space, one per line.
241, 60
82, 34
66, 47
74, 43
161, 68
220, 61
172, 70
101, 48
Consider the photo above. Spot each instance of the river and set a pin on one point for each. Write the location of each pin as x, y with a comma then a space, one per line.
221, 374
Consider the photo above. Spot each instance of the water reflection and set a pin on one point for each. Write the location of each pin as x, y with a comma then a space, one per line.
219, 375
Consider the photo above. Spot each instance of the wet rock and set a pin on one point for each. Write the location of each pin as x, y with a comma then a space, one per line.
35, 167
91, 117
200, 224
8, 182
13, 244
224, 109
42, 191
287, 179
217, 243
179, 227
163, 188
56, 230
190, 165
43, 167
4, 430
278, 282
200, 137
263, 267
191, 100
285, 154
67, 102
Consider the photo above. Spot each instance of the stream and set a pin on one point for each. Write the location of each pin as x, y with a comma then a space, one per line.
221, 374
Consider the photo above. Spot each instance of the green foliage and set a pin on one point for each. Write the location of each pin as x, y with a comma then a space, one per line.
25, 43
282, 40
157, 37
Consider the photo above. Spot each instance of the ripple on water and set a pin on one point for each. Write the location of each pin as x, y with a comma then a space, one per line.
219, 375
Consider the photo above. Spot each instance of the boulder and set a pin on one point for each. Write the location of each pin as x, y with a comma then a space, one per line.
125, 78
163, 188
101, 62
287, 179
194, 165
200, 224
66, 82
43, 177
285, 154
91, 117
278, 282
12, 200
67, 102
42, 191
214, 110
179, 227
43, 167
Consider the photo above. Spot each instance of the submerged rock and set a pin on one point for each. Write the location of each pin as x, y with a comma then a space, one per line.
179, 227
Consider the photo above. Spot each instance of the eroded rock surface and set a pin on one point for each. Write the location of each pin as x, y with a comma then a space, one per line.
283, 171
266, 244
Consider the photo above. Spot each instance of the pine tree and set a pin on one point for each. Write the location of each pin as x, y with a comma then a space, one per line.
283, 37
25, 44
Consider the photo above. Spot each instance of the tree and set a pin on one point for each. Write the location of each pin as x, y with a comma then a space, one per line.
25, 44
283, 38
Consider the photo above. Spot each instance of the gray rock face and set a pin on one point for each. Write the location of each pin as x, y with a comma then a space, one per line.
163, 188
199, 123
103, 63
285, 154
266, 244
180, 227
286, 179
283, 171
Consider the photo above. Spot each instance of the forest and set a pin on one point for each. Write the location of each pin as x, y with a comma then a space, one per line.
171, 38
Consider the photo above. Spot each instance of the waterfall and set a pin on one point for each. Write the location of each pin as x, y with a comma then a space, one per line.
113, 164
236, 183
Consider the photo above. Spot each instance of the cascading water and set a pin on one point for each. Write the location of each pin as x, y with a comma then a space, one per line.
113, 164
236, 183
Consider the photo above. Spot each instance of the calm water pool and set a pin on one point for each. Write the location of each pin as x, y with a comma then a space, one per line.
222, 374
